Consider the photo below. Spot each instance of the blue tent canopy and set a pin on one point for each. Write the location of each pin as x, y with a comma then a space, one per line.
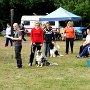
60, 15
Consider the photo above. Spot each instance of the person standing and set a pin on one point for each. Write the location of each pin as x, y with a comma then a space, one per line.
23, 31
70, 36
36, 37
48, 38
8, 33
18, 44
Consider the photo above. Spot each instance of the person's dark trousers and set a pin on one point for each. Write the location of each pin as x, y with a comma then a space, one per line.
82, 48
56, 36
47, 49
7, 41
33, 48
23, 33
71, 41
18, 56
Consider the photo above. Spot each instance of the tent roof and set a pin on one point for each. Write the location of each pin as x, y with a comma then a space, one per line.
60, 15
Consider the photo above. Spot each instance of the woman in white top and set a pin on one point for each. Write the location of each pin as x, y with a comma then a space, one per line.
86, 43
8, 33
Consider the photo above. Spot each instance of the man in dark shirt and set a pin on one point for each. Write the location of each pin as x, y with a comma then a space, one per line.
23, 31
18, 44
48, 38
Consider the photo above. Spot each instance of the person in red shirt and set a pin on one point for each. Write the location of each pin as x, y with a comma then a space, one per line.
70, 35
36, 37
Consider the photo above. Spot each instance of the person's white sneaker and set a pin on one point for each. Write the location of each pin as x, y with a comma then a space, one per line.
30, 64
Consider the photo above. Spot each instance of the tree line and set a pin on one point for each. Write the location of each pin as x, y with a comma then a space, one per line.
41, 7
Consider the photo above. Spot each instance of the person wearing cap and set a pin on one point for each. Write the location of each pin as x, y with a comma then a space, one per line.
36, 37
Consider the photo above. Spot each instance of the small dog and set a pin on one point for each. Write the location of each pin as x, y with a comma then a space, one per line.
39, 57
41, 60
54, 50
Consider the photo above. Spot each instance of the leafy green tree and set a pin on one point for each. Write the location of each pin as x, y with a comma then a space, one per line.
79, 7
41, 7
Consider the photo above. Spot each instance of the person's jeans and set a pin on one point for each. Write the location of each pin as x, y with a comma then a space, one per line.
18, 55
82, 48
47, 49
85, 51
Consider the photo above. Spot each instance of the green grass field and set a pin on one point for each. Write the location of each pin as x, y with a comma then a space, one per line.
71, 74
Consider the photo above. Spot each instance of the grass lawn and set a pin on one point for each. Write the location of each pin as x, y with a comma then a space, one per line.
71, 74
